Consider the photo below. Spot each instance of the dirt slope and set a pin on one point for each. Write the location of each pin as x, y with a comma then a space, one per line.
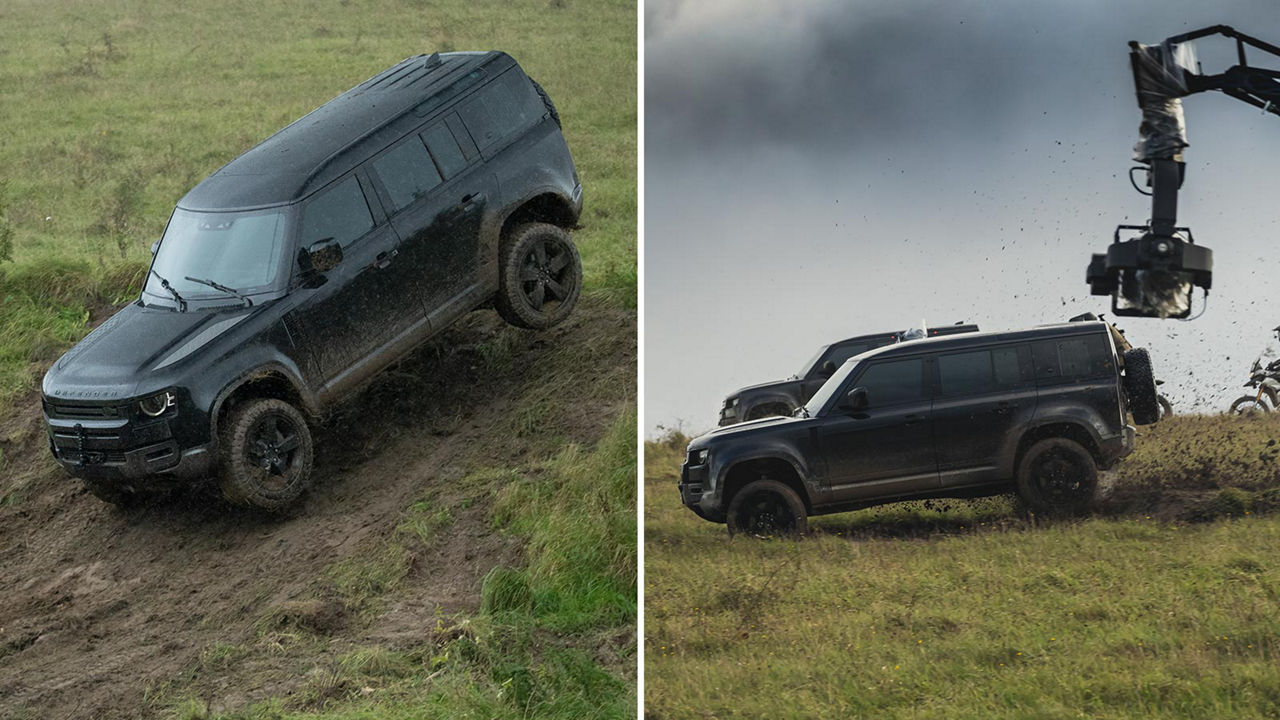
99, 606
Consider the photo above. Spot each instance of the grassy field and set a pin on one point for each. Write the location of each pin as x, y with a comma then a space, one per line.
111, 111
1166, 605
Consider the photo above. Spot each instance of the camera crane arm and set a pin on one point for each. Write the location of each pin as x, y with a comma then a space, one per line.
1152, 275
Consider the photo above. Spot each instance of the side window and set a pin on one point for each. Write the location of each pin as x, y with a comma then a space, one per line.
892, 383
444, 150
339, 212
1072, 358
966, 373
983, 370
1008, 366
407, 172
840, 354
505, 105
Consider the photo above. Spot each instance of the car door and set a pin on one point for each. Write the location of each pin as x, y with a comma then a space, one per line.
886, 448
361, 302
982, 396
435, 191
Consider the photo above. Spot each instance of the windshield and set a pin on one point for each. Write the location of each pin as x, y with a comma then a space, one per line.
243, 251
808, 366
820, 398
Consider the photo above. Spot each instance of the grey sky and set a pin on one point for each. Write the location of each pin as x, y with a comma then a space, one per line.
816, 170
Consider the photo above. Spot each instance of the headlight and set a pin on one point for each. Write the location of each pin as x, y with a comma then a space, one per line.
699, 457
156, 405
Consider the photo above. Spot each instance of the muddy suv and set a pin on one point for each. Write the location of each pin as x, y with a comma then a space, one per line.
301, 268
782, 397
1039, 411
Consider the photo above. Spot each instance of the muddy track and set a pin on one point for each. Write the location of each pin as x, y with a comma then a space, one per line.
99, 605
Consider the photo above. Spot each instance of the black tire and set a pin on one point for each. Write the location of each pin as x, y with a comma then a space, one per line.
767, 508
768, 410
265, 454
1166, 407
546, 102
1057, 477
540, 278
1140, 387
1249, 405
113, 493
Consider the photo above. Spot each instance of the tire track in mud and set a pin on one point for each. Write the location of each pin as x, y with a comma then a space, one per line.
97, 604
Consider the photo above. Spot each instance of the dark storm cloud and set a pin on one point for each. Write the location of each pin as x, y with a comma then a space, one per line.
819, 76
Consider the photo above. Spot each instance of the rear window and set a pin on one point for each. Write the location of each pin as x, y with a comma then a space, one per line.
1076, 358
445, 150
407, 172
500, 108
981, 371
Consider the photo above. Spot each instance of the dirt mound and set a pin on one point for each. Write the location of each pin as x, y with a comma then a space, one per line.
101, 608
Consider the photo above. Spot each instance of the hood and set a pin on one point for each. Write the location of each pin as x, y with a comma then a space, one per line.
740, 429
774, 385
127, 350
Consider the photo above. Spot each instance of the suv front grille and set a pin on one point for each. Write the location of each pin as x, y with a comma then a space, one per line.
75, 411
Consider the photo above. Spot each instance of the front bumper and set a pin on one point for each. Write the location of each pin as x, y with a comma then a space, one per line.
697, 494
99, 443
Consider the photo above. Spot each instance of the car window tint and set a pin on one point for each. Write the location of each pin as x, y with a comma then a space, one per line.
891, 383
339, 212
1007, 366
505, 105
1073, 358
445, 150
966, 373
844, 352
407, 172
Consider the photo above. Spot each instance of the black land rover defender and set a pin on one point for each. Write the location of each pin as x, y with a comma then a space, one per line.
301, 268
782, 397
1040, 411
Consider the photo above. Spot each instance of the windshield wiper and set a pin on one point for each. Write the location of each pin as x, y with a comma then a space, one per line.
182, 304
219, 286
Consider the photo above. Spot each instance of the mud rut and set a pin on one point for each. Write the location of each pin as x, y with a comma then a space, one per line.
98, 604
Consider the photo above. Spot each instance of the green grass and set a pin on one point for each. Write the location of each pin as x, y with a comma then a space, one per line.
110, 112
972, 611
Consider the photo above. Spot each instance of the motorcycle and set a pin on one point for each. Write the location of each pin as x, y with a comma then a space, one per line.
1267, 398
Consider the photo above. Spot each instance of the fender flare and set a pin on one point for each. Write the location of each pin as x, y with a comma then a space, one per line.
753, 403
275, 368
797, 465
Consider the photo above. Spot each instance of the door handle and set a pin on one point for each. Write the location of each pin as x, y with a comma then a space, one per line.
1003, 408
469, 201
384, 258
910, 420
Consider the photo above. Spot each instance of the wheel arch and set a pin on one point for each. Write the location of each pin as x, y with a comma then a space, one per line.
274, 381
1073, 430
543, 205
739, 472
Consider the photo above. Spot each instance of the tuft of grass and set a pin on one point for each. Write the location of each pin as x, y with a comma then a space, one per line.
582, 544
504, 591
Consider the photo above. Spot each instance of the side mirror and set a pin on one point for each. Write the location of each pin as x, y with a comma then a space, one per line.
856, 399
324, 255
155, 246
828, 369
